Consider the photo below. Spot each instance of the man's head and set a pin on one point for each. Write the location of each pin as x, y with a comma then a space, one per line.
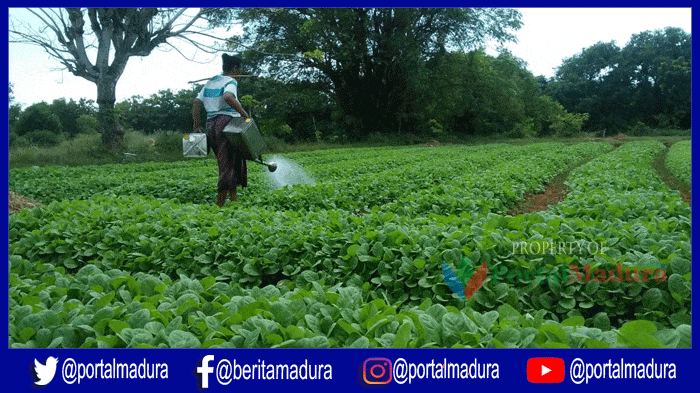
232, 64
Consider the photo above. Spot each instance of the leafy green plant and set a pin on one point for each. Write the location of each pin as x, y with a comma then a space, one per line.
678, 161
136, 255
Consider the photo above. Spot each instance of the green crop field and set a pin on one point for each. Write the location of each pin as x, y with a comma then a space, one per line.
136, 255
678, 161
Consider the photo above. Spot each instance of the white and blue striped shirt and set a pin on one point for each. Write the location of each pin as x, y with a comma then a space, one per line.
212, 96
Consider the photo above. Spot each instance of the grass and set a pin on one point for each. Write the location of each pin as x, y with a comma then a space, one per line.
86, 149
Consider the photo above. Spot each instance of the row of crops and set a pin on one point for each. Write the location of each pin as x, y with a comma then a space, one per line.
678, 161
135, 255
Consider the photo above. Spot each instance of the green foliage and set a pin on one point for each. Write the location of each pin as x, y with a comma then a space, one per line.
435, 127
647, 81
165, 110
87, 124
168, 142
86, 149
67, 114
361, 57
43, 138
38, 117
115, 309
135, 255
568, 124
475, 93
290, 111
678, 161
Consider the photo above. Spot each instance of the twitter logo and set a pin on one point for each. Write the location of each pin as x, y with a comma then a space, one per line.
44, 373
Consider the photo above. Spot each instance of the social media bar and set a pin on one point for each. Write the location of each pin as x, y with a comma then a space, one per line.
212, 370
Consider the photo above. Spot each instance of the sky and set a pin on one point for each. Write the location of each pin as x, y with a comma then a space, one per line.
548, 36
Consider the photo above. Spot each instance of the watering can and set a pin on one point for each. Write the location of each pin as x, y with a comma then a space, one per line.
237, 130
246, 130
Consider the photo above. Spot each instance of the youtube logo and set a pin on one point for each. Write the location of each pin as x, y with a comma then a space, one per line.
545, 370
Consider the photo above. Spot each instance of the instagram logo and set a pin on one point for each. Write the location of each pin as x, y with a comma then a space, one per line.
377, 371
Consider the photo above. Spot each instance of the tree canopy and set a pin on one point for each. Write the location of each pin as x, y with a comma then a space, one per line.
647, 81
96, 44
374, 62
346, 74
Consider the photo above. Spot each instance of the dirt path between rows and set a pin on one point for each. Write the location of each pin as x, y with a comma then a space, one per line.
554, 192
669, 178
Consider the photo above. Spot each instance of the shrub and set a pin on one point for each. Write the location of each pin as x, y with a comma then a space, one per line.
168, 141
639, 129
44, 138
37, 117
568, 124
525, 128
435, 127
87, 124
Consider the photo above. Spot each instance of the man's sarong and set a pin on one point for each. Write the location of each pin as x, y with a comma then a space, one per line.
230, 156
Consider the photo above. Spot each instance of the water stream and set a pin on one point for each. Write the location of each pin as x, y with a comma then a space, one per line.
288, 173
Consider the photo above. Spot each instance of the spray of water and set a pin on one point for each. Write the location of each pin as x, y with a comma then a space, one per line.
288, 173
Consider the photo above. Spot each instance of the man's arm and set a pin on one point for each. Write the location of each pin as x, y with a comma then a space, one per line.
233, 103
197, 110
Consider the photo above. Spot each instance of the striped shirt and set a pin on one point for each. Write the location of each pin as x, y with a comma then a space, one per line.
212, 96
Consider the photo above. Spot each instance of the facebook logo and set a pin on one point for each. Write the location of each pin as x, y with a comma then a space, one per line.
204, 370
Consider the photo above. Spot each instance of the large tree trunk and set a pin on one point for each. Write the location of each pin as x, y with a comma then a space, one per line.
119, 33
112, 131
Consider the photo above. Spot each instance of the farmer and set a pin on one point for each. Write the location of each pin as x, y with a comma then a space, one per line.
219, 98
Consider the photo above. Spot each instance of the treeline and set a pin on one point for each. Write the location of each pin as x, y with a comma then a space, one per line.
45, 124
472, 94
608, 89
644, 85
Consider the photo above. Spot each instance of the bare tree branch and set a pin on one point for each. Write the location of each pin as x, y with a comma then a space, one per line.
119, 33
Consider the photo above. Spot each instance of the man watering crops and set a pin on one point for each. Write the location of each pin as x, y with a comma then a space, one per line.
219, 99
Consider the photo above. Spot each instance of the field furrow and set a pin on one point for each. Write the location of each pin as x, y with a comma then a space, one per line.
135, 255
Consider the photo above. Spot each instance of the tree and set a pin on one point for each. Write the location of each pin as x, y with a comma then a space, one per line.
656, 68
164, 110
648, 81
38, 117
15, 109
67, 114
474, 93
291, 111
589, 83
371, 61
85, 49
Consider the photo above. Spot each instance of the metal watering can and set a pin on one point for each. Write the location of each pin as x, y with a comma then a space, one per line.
237, 130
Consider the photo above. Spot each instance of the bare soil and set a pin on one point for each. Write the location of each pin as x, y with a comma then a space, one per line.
555, 191
18, 202
433, 143
669, 178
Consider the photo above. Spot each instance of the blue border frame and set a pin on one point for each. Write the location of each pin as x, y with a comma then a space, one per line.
347, 363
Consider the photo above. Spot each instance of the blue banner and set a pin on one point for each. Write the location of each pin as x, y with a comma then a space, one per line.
202, 370
344, 369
